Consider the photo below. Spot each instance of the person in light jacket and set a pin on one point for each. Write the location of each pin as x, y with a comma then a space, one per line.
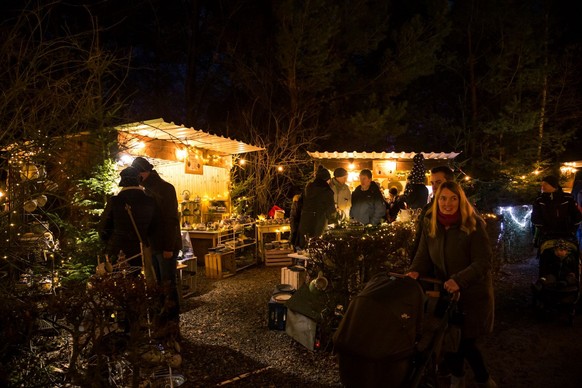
342, 196
455, 248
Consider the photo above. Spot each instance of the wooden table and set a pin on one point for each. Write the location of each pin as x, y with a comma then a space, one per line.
263, 229
202, 240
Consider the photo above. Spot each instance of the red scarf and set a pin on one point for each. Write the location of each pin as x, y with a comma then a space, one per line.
448, 219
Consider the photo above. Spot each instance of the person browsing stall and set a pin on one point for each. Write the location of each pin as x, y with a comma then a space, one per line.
166, 240
342, 196
368, 205
318, 207
115, 226
455, 248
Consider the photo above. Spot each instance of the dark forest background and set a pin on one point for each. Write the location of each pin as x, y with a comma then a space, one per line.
497, 80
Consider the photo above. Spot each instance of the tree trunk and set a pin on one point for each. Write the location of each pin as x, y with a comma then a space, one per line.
190, 81
544, 93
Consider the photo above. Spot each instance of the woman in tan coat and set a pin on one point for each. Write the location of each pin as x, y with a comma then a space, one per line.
454, 247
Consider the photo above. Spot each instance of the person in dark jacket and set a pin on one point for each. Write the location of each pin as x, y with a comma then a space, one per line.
455, 248
395, 204
438, 175
115, 226
555, 214
294, 218
166, 240
318, 207
368, 205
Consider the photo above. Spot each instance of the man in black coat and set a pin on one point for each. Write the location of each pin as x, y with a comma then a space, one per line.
166, 239
555, 214
318, 207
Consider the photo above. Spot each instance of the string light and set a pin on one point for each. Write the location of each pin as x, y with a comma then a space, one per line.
524, 222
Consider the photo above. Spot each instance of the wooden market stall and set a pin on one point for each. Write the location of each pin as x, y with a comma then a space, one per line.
569, 171
388, 168
198, 164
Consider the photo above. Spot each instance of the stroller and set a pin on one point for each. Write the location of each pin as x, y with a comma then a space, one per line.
558, 286
392, 334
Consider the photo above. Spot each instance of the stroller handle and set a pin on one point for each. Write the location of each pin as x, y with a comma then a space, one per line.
420, 278
455, 295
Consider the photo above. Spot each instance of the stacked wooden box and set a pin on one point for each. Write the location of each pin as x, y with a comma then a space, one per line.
295, 276
219, 265
278, 257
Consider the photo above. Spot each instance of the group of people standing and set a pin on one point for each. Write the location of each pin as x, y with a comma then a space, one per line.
143, 217
327, 199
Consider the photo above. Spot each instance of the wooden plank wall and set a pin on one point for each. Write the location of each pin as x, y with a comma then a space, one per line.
213, 184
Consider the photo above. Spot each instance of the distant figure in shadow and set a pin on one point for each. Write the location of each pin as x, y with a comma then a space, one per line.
318, 207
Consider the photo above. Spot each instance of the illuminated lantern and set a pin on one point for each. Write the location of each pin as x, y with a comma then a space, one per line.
41, 200
41, 171
50, 185
29, 171
30, 206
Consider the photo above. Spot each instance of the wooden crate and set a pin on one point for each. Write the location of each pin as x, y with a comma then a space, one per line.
278, 257
295, 276
219, 265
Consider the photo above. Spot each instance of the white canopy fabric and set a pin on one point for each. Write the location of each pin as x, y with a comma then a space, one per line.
381, 155
162, 130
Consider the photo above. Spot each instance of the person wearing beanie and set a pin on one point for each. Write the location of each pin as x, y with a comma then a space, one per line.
554, 213
166, 239
115, 226
368, 205
317, 208
342, 196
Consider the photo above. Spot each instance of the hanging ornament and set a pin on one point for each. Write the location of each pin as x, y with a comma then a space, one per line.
41, 200
50, 186
30, 206
29, 171
42, 171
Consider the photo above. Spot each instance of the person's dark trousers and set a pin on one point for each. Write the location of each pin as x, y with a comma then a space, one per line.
166, 274
469, 351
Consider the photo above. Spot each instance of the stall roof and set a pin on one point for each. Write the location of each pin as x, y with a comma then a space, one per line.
381, 155
162, 130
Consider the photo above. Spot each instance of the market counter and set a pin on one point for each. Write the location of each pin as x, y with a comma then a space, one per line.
262, 229
202, 240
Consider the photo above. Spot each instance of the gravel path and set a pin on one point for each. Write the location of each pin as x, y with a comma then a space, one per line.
225, 336
225, 332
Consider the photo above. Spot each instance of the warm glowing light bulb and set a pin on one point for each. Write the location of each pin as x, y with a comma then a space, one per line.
242, 162
280, 168
181, 153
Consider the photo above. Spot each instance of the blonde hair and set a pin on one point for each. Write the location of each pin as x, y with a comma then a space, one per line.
468, 216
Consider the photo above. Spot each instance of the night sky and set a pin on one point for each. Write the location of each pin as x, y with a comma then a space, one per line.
355, 75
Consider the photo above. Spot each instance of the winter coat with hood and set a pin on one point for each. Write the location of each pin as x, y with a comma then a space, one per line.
116, 228
555, 215
465, 258
318, 207
167, 236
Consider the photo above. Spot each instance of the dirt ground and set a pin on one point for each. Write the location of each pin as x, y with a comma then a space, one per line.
524, 351
227, 342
